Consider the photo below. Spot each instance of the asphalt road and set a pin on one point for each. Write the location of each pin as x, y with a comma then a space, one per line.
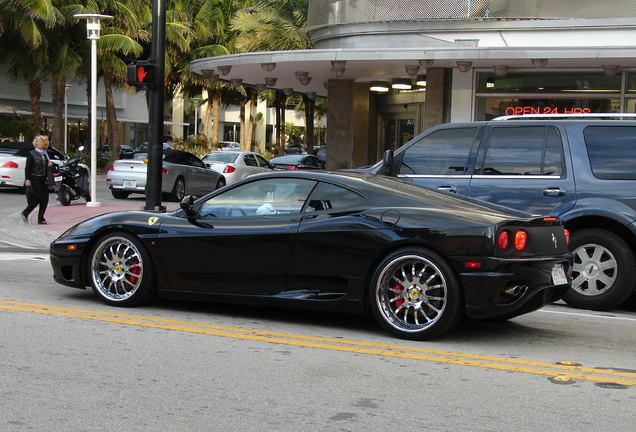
72, 363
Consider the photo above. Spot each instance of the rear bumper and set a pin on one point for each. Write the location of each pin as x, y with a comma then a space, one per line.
513, 287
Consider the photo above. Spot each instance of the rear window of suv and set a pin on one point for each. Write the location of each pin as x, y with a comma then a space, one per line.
525, 150
612, 151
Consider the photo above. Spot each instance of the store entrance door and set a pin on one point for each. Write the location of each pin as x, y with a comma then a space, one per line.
395, 131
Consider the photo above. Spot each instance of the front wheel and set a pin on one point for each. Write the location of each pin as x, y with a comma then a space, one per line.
64, 196
415, 294
603, 272
121, 271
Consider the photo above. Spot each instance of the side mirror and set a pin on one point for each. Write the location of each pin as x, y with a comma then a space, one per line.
387, 164
187, 205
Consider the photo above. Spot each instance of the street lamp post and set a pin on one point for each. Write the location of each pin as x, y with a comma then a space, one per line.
66, 117
93, 29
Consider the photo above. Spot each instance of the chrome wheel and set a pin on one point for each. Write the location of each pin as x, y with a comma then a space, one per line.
594, 270
416, 295
121, 272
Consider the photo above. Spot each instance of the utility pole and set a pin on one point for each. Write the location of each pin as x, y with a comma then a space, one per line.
155, 130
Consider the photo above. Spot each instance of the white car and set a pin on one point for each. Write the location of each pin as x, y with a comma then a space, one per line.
229, 146
236, 165
182, 174
13, 160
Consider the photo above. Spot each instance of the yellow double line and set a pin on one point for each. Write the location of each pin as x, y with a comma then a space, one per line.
562, 372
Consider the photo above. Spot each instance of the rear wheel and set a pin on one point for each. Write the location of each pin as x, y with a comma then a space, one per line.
118, 194
415, 294
64, 196
604, 270
220, 183
121, 271
178, 190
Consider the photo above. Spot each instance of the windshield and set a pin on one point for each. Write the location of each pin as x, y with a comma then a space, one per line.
224, 157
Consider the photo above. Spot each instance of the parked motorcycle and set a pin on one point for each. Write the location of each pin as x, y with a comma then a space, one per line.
73, 181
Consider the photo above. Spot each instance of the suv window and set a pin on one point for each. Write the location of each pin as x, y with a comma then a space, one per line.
444, 152
612, 151
525, 150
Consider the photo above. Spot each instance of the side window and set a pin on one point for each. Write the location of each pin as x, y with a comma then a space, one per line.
309, 160
195, 161
333, 197
260, 198
249, 160
262, 162
444, 152
525, 150
612, 151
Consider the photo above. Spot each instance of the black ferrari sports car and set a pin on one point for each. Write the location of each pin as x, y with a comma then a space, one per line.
419, 260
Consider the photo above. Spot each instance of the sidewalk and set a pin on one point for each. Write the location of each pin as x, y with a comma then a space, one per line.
60, 218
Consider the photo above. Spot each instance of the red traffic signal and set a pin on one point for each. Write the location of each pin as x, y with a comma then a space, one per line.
141, 73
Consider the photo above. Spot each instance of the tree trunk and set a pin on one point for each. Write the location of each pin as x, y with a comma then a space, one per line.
283, 122
216, 108
58, 87
250, 121
114, 140
277, 103
35, 94
309, 124
242, 102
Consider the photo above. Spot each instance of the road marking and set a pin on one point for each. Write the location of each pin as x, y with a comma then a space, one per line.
588, 315
16, 256
560, 371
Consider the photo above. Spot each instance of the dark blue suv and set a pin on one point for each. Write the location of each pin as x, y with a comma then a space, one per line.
582, 171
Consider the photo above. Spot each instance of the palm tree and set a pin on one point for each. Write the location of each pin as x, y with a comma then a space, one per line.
272, 25
23, 44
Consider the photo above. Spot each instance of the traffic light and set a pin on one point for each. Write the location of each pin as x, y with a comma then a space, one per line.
141, 73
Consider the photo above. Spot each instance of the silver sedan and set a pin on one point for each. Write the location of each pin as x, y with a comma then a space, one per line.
237, 165
183, 174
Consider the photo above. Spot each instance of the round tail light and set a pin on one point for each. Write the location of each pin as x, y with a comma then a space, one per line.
503, 240
521, 239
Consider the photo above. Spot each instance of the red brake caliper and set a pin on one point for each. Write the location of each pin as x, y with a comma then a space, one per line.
135, 270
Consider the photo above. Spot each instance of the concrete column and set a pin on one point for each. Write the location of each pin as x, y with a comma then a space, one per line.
348, 124
435, 91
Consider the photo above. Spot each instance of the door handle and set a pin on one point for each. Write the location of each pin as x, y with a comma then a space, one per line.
554, 192
451, 189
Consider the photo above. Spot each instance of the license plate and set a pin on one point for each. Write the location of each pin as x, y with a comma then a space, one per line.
558, 275
58, 178
130, 184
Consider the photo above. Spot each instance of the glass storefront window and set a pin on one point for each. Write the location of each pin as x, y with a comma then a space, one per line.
489, 108
631, 83
550, 82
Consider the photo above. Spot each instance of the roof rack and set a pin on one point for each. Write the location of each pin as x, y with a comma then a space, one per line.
580, 115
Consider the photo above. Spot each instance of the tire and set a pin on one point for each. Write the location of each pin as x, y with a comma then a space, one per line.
87, 197
121, 271
64, 196
178, 190
604, 270
118, 194
415, 294
221, 183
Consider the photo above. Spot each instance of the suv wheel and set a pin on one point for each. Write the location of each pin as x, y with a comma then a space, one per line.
604, 270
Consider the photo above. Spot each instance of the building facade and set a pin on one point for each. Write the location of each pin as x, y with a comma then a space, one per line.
457, 61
